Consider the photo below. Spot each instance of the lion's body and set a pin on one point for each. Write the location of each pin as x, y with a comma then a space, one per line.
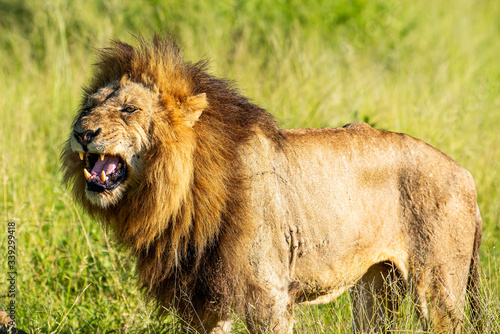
224, 210
333, 203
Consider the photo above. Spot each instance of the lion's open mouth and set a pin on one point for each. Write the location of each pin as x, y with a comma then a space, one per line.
106, 171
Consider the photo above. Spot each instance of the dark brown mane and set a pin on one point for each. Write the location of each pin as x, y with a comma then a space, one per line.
170, 230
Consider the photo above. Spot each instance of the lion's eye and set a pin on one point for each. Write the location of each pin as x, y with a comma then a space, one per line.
129, 109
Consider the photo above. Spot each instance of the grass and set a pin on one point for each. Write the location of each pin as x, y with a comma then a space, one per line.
425, 68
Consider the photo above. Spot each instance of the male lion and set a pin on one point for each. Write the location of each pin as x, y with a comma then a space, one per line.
225, 211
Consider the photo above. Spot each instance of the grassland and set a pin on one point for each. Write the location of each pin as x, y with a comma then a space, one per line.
426, 68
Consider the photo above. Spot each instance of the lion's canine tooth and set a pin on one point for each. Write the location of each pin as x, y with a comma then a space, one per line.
102, 156
81, 155
86, 173
103, 176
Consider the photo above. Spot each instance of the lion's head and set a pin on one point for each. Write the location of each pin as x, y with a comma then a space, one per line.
118, 128
129, 113
153, 153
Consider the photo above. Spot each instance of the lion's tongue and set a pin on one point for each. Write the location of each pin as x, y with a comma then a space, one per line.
108, 165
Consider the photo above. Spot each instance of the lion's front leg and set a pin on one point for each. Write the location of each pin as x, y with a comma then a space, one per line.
214, 324
262, 320
222, 327
203, 317
270, 311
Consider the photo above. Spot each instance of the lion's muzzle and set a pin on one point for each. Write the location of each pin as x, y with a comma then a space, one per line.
103, 172
84, 138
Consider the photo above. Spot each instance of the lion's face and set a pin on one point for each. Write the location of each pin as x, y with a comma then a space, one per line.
117, 129
110, 136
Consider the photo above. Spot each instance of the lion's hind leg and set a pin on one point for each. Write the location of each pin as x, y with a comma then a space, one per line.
440, 287
376, 298
440, 299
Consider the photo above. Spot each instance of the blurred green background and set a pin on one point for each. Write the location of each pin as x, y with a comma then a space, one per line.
429, 68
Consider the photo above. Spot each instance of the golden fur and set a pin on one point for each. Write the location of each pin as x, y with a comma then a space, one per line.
224, 210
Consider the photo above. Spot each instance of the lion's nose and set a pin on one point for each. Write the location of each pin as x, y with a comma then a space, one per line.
86, 137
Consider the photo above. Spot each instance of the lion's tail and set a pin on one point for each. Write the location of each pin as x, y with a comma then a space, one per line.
473, 281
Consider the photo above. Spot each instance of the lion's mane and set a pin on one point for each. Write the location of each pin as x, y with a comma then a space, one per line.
187, 210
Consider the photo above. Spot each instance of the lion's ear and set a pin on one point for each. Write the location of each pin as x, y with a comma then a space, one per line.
193, 107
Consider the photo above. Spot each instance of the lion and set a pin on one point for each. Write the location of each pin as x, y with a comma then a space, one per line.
226, 212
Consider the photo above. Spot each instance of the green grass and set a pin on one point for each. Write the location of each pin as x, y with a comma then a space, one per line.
425, 68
